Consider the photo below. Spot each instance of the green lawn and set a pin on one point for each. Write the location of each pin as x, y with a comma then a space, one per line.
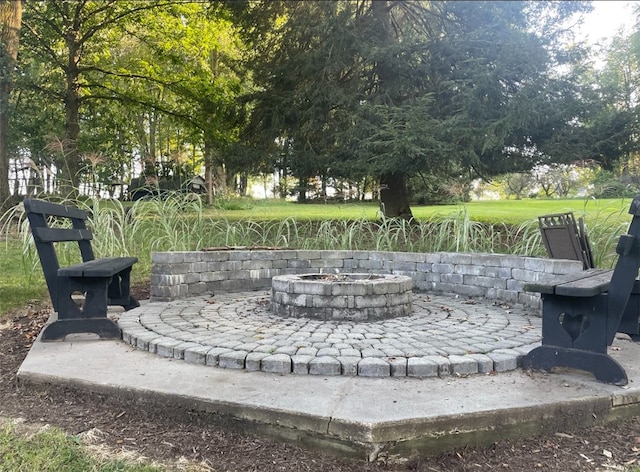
518, 211
18, 285
280, 210
51, 450
494, 211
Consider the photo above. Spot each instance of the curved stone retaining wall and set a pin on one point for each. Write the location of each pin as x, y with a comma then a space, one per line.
177, 275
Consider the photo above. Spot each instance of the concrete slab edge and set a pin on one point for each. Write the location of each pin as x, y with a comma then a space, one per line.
305, 430
365, 441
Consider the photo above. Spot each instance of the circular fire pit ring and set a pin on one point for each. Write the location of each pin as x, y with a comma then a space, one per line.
347, 297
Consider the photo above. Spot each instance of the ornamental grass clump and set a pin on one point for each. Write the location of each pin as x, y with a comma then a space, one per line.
525, 239
172, 222
337, 234
604, 230
181, 222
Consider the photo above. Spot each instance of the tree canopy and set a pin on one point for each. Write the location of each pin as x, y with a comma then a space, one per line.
389, 96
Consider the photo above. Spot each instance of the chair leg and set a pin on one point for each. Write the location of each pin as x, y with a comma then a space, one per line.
103, 327
95, 292
604, 368
133, 303
118, 291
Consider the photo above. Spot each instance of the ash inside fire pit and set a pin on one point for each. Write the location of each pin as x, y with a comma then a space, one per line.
353, 297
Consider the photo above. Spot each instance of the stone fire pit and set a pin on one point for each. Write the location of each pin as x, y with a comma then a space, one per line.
349, 297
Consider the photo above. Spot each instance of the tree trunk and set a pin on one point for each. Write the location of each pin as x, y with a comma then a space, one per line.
208, 171
283, 184
220, 177
10, 22
70, 159
394, 196
303, 185
243, 184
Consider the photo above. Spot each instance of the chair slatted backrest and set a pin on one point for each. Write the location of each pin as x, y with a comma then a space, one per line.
41, 217
625, 272
586, 245
563, 238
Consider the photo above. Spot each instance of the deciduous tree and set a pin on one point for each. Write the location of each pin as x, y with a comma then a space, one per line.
70, 37
10, 23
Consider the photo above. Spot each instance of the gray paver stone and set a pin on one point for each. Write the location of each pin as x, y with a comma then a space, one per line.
503, 362
153, 344
300, 363
508, 343
411, 352
398, 366
232, 360
485, 363
128, 338
484, 347
455, 350
393, 352
317, 338
268, 348
231, 344
129, 323
289, 350
341, 345
512, 352
328, 351
349, 364
196, 354
325, 366
371, 352
374, 367
164, 346
422, 367
213, 356
350, 353
463, 365
179, 350
524, 350
277, 364
307, 351
247, 346
505, 337
253, 360
444, 366
319, 345
142, 341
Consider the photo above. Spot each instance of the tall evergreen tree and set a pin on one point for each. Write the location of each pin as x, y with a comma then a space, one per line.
397, 88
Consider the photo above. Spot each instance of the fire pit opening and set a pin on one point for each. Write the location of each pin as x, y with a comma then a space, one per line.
352, 297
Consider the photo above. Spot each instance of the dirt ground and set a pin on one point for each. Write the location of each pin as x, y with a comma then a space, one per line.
188, 441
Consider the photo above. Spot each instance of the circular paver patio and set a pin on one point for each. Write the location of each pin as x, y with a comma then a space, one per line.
445, 335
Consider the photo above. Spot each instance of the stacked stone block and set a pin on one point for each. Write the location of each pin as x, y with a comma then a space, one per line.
360, 297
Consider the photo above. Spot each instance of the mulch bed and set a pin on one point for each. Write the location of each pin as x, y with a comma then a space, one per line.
166, 437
